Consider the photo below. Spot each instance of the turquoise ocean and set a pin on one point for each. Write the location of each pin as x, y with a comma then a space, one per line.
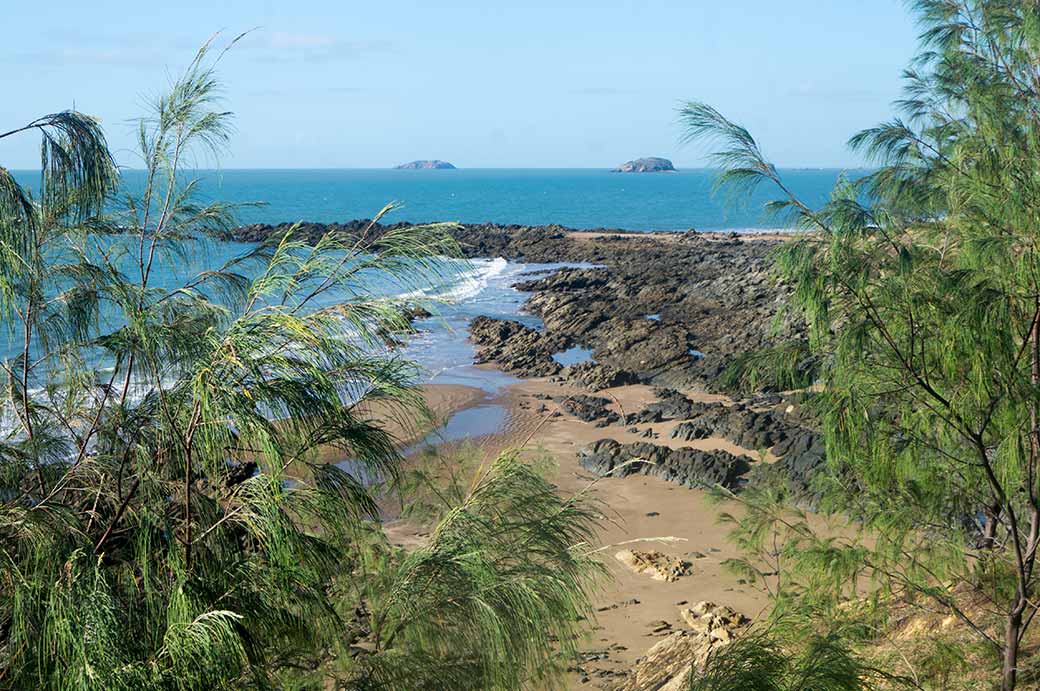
579, 198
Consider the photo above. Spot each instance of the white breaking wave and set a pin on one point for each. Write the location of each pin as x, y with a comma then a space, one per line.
467, 286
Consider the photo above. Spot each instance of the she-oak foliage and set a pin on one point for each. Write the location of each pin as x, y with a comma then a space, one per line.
165, 519
921, 287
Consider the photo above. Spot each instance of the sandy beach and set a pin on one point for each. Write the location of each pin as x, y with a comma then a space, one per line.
642, 513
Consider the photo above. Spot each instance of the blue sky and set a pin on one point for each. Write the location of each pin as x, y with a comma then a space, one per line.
345, 84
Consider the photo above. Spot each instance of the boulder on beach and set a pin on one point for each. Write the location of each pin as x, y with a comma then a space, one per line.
425, 165
657, 565
669, 664
651, 164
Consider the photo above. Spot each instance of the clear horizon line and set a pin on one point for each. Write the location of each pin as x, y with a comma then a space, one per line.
465, 168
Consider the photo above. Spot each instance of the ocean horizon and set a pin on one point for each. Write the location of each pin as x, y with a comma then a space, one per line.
581, 198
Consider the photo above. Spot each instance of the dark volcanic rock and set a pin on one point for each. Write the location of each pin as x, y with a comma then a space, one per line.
650, 164
692, 431
590, 409
687, 467
741, 424
713, 297
671, 405
803, 455
595, 376
751, 429
515, 347
425, 165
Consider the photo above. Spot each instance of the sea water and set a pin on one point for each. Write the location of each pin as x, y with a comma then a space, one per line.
578, 198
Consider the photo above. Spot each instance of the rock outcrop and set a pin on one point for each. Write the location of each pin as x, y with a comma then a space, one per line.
803, 456
667, 665
650, 164
433, 164
685, 466
671, 405
755, 430
515, 347
596, 376
712, 296
593, 409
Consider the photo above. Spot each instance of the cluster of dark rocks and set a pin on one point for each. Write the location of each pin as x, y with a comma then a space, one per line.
597, 376
516, 347
592, 409
802, 457
750, 425
670, 405
670, 313
757, 430
758, 424
528, 352
686, 466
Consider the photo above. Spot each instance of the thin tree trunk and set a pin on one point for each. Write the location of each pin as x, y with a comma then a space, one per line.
1013, 635
187, 512
1009, 675
189, 440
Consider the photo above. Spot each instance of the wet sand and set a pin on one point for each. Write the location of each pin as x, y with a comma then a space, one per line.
442, 400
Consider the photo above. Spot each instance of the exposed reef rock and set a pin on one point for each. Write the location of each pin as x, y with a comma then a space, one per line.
594, 409
755, 430
800, 450
515, 347
746, 426
596, 376
685, 466
650, 164
425, 165
712, 301
671, 405
803, 456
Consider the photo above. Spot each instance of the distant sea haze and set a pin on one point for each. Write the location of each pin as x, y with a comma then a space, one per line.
578, 198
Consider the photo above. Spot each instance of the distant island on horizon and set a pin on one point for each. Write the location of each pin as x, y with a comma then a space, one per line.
432, 164
650, 164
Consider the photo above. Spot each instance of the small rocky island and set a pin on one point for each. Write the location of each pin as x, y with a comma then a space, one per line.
425, 165
651, 164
